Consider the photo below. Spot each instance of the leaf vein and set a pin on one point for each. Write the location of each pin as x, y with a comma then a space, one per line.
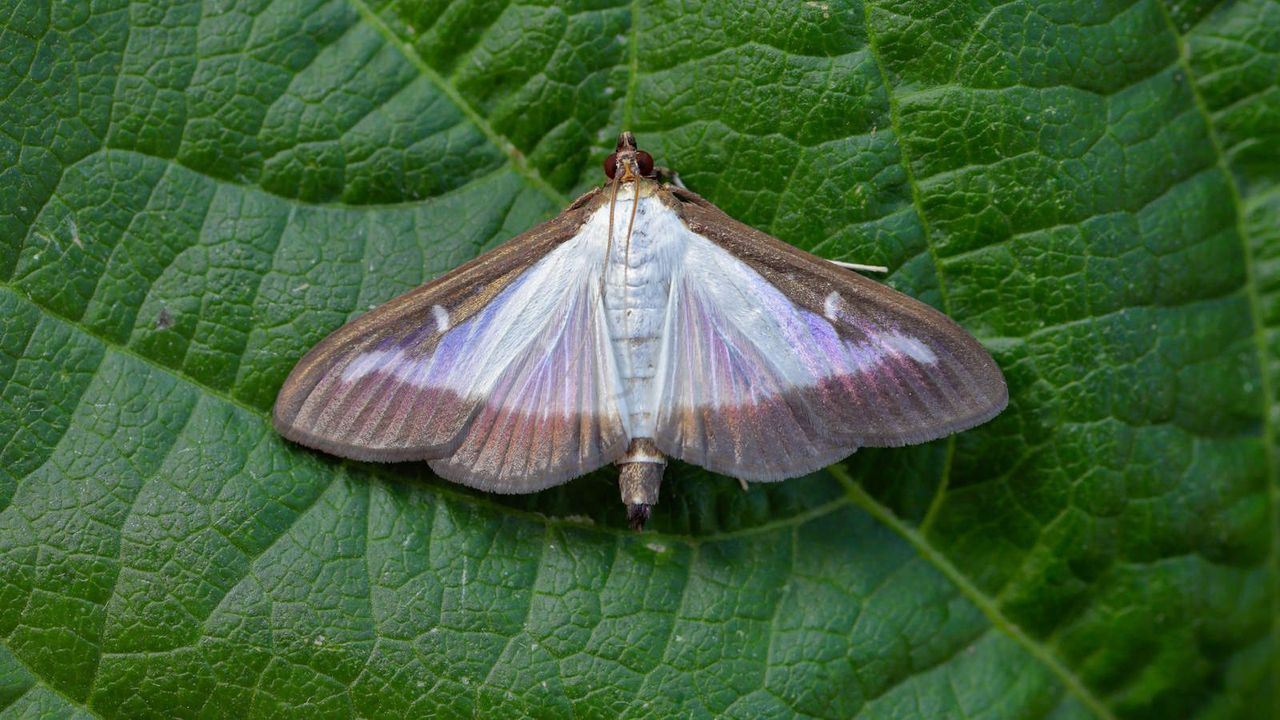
895, 121
1267, 394
514, 157
41, 683
120, 539
984, 603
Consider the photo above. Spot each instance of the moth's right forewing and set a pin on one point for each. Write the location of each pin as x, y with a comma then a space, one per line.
369, 391
780, 362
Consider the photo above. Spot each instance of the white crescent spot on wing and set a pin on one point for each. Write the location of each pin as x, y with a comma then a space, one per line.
442, 318
831, 306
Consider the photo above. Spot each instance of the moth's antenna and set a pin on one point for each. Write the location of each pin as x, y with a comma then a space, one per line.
632, 222
862, 268
608, 244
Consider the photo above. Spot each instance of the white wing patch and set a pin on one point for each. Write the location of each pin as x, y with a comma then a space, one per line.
749, 327
523, 319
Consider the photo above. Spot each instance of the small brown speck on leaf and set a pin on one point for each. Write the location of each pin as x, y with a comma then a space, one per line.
164, 320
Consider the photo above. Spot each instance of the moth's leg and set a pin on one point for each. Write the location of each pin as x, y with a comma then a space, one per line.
667, 176
861, 268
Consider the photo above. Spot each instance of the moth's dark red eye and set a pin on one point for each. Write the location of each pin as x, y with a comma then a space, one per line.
611, 166
645, 161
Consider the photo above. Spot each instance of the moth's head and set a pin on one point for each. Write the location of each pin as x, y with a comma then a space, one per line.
628, 163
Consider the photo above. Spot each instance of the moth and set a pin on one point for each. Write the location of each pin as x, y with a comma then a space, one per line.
640, 324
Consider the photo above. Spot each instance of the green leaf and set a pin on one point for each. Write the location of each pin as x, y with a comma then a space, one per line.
191, 195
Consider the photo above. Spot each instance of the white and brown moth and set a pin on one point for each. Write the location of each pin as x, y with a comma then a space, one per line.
641, 323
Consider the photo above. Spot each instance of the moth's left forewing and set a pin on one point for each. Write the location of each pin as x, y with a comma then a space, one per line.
467, 370
861, 364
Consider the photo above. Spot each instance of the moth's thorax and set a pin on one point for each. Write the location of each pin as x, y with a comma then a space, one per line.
641, 259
